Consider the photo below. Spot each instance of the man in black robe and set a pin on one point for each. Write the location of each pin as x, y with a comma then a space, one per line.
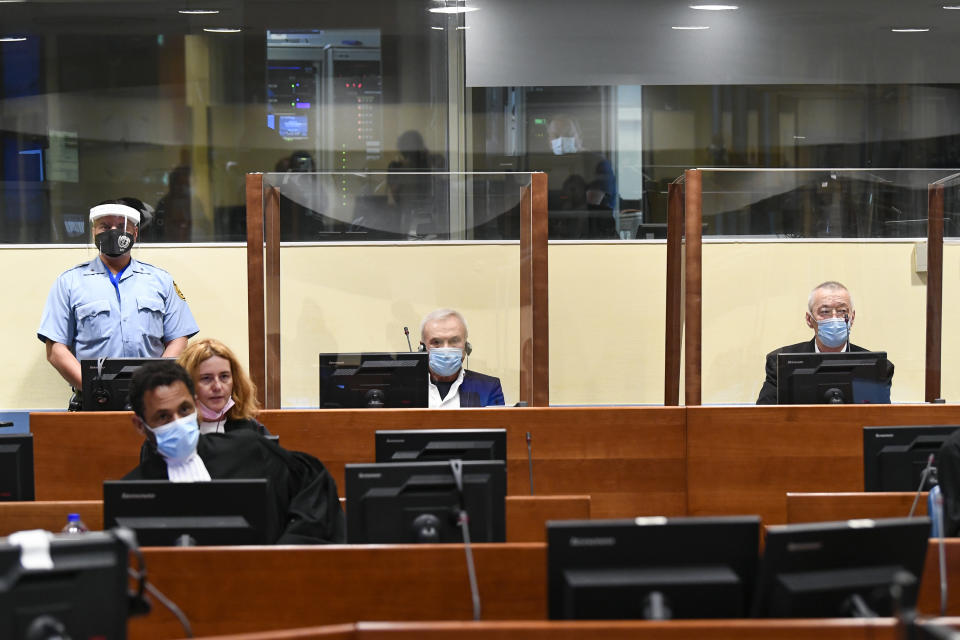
303, 494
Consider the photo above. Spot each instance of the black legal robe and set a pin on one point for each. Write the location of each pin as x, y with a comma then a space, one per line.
303, 494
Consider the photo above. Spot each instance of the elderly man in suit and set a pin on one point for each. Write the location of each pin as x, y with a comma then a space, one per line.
830, 314
443, 334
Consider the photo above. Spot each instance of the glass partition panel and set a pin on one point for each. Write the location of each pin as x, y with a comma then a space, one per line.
950, 313
756, 290
386, 250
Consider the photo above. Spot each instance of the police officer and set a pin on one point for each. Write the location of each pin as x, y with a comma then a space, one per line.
113, 306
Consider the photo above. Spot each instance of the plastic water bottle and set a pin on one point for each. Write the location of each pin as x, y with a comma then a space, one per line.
934, 507
74, 524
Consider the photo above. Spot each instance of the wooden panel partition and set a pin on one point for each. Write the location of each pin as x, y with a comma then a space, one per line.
234, 590
825, 507
745, 459
834, 629
50, 516
629, 460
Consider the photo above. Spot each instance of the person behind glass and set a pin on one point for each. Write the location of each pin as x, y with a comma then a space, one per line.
301, 492
113, 306
443, 334
580, 182
226, 396
830, 313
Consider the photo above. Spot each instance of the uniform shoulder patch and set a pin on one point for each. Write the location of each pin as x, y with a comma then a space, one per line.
179, 293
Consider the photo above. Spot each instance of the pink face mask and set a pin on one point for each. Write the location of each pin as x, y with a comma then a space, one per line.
209, 415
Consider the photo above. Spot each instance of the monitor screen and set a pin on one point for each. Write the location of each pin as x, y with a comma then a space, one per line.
839, 569
16, 467
373, 380
293, 127
651, 568
85, 590
424, 445
408, 502
105, 382
894, 457
219, 512
858, 377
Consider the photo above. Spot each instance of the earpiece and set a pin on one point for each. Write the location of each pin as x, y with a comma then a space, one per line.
421, 348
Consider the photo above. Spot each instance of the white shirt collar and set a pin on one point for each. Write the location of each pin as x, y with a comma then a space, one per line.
190, 470
451, 400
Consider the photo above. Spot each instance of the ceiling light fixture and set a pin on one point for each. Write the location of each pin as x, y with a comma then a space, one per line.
693, 28
714, 7
951, 7
453, 9
199, 12
910, 30
13, 39
222, 30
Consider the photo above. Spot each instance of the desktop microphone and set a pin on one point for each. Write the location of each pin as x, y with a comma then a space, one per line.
530, 461
463, 520
406, 332
923, 481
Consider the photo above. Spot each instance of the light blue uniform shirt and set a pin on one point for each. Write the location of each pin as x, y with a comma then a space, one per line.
135, 319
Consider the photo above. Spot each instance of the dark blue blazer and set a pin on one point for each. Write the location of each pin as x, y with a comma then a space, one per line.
479, 390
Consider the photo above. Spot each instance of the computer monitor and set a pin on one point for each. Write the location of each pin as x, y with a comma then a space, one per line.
651, 568
16, 467
218, 512
894, 457
856, 377
409, 502
373, 380
425, 445
85, 590
838, 569
105, 383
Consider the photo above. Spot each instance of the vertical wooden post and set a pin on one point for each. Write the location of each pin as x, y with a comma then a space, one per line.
534, 308
693, 217
256, 335
673, 338
934, 290
272, 223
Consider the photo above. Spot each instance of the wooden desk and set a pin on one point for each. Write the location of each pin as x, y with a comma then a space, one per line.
833, 629
823, 507
51, 516
744, 460
236, 590
233, 590
629, 460
526, 515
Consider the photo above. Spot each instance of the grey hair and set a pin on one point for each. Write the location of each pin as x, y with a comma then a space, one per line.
831, 285
440, 314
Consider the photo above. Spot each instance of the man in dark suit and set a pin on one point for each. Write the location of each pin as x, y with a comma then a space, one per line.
443, 333
830, 314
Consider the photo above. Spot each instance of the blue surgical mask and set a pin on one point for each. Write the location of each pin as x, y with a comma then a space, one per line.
177, 440
445, 361
833, 332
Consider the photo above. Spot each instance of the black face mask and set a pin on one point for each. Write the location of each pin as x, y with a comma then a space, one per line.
114, 242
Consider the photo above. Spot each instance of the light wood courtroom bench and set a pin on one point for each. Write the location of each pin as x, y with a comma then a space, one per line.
629, 460
833, 629
235, 590
526, 515
823, 507
744, 460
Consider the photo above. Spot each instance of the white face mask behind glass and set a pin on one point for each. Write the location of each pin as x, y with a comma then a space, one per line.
563, 144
